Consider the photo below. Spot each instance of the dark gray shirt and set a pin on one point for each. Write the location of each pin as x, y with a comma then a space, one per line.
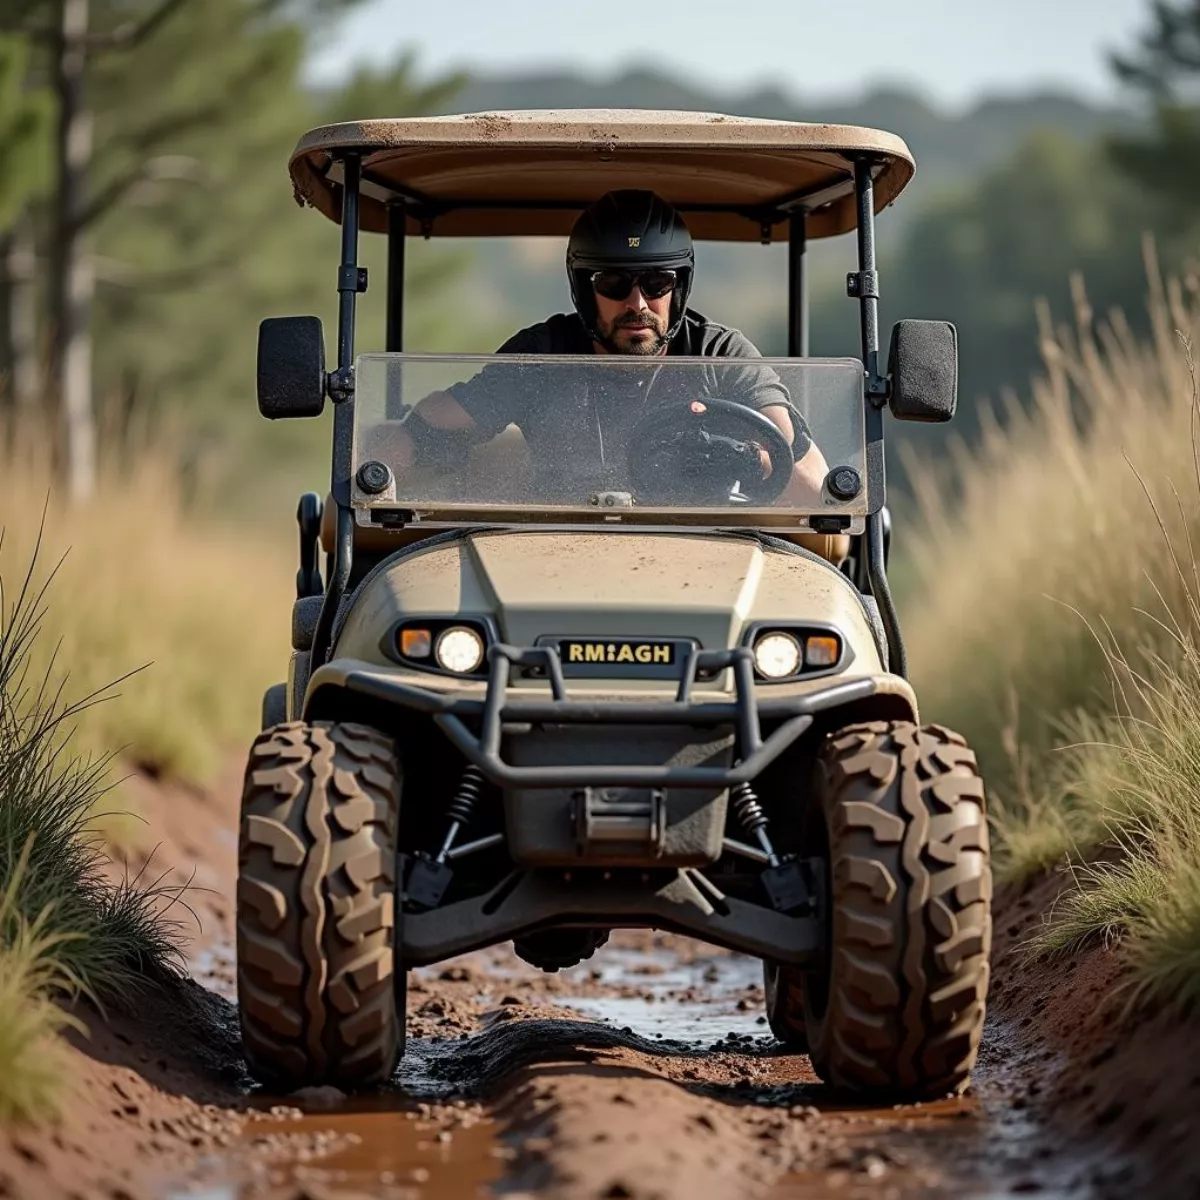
552, 420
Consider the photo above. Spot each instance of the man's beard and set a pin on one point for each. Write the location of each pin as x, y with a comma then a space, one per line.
645, 346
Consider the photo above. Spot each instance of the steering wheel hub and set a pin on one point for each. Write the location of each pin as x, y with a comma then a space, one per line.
708, 452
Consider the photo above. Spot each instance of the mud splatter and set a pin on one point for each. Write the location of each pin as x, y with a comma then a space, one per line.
646, 1072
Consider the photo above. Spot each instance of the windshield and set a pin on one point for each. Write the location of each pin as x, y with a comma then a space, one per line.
520, 438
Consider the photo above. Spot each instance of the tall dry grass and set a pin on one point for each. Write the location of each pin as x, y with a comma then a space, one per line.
1058, 626
1047, 532
196, 611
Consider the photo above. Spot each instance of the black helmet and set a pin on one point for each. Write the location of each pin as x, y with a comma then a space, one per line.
629, 230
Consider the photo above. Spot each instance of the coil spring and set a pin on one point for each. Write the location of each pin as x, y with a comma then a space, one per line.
462, 807
749, 811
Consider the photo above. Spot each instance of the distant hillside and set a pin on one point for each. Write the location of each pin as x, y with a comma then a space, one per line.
949, 146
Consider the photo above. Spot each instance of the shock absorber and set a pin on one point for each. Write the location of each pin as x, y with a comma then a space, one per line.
750, 812
461, 809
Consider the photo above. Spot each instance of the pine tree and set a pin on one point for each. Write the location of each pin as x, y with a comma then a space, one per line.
171, 228
1165, 68
25, 123
24, 131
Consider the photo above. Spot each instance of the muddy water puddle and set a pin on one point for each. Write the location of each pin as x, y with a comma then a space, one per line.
982, 1146
985, 1145
386, 1148
426, 1142
657, 995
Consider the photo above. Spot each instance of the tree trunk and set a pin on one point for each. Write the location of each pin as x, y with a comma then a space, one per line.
20, 270
73, 280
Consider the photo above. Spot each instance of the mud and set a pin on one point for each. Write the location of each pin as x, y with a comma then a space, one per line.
645, 1072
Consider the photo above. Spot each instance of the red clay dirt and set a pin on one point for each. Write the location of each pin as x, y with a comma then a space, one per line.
513, 1086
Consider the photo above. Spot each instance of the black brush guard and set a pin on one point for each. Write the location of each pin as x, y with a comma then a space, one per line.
499, 712
683, 900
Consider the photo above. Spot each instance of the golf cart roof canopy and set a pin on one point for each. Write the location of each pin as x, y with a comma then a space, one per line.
737, 179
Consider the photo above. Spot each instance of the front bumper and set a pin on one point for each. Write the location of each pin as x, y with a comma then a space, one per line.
591, 853
499, 713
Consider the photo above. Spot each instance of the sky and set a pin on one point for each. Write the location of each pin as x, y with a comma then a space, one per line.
952, 50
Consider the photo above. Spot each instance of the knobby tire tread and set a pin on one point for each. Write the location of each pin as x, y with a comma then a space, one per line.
317, 982
911, 918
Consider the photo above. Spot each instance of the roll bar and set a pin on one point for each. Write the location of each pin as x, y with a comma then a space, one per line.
862, 285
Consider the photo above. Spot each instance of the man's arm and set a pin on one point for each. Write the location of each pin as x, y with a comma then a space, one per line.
808, 471
440, 428
744, 377
805, 488
438, 424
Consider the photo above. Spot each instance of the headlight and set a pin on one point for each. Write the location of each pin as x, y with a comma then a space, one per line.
777, 655
459, 649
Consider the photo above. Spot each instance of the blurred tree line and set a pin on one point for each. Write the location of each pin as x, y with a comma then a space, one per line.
146, 222
146, 218
984, 254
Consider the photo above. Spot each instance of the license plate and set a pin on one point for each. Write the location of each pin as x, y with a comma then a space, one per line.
647, 658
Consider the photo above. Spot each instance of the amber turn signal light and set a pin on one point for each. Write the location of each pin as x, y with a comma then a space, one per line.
821, 652
416, 643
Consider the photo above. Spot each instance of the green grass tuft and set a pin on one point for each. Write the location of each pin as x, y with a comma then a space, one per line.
1149, 790
65, 928
31, 973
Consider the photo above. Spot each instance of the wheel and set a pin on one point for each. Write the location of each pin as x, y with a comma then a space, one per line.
784, 991
320, 993
557, 949
703, 449
898, 1010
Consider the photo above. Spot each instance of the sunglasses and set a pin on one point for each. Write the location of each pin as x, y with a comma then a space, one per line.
616, 285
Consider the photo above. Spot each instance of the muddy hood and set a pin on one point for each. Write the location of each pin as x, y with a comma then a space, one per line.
611, 584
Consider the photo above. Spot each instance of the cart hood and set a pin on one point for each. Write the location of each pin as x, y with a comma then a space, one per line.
606, 584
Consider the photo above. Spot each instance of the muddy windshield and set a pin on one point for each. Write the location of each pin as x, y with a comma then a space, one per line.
517, 438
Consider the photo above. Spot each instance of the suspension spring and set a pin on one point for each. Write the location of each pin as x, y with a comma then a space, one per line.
746, 804
750, 812
461, 809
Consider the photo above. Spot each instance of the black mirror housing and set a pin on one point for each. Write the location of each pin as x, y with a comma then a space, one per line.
291, 367
923, 371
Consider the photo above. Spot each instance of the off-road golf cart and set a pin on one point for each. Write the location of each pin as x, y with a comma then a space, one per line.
536, 707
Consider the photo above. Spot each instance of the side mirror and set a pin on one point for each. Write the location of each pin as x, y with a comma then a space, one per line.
923, 371
291, 367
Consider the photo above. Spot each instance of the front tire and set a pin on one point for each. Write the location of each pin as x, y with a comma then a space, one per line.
898, 1011
316, 908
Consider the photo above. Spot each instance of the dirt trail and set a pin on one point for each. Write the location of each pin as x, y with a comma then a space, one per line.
647, 1072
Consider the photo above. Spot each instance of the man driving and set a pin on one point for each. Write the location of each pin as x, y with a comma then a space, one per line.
630, 263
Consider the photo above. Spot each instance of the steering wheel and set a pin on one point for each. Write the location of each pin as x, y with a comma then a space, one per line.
698, 451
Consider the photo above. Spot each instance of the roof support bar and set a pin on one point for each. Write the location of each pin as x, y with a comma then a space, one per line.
797, 286
350, 283
395, 278
865, 286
